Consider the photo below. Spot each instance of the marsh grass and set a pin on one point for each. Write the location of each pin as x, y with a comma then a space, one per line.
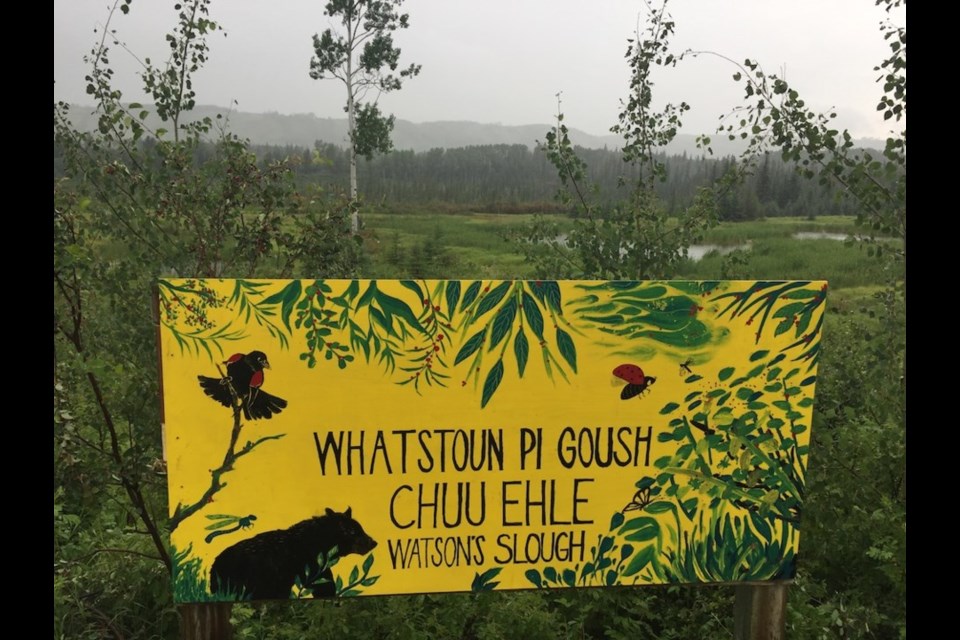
479, 247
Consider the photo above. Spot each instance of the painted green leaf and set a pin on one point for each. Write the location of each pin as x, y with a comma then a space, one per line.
453, 295
643, 292
521, 349
533, 315
470, 295
284, 293
383, 321
469, 347
569, 577
567, 349
368, 295
291, 295
725, 373
413, 286
639, 562
616, 520
551, 291
491, 383
481, 581
808, 380
756, 355
398, 307
692, 378
757, 370
614, 320
670, 407
492, 299
640, 529
352, 290
783, 327
660, 506
502, 322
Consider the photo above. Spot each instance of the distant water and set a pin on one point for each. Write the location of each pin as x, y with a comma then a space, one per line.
819, 235
696, 252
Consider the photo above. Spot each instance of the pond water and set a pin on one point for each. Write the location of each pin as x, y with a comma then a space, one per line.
819, 235
696, 252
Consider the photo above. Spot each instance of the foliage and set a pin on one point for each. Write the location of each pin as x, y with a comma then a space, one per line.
469, 319
134, 205
362, 56
359, 577
774, 116
633, 239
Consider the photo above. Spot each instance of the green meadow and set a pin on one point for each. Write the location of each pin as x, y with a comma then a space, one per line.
483, 245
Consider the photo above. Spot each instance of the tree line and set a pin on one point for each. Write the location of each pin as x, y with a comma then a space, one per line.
513, 178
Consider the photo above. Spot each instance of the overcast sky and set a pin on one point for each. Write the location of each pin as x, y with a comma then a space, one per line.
505, 60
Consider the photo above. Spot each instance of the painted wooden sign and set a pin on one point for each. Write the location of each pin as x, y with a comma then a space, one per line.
356, 437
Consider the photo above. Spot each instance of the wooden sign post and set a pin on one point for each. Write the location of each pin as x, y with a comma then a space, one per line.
336, 438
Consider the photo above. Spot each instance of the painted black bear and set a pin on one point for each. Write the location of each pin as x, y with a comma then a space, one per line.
266, 566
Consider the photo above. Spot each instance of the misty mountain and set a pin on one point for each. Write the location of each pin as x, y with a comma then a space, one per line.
304, 129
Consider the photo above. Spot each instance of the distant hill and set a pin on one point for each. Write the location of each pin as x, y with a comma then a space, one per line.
304, 129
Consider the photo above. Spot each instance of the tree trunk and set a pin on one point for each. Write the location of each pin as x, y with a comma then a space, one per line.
352, 127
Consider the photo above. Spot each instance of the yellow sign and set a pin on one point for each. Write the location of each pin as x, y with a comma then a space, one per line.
371, 437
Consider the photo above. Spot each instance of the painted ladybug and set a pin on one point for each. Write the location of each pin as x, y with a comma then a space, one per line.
637, 381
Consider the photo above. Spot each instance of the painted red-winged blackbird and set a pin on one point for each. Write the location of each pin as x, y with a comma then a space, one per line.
636, 381
245, 373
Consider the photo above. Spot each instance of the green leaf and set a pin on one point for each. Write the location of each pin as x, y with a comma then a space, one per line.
469, 347
640, 529
725, 373
368, 295
502, 322
470, 295
532, 312
491, 383
398, 307
639, 562
756, 355
670, 407
660, 506
492, 299
567, 349
413, 286
521, 349
453, 295
551, 292
534, 577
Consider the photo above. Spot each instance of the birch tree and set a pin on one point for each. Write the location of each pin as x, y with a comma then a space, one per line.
361, 54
